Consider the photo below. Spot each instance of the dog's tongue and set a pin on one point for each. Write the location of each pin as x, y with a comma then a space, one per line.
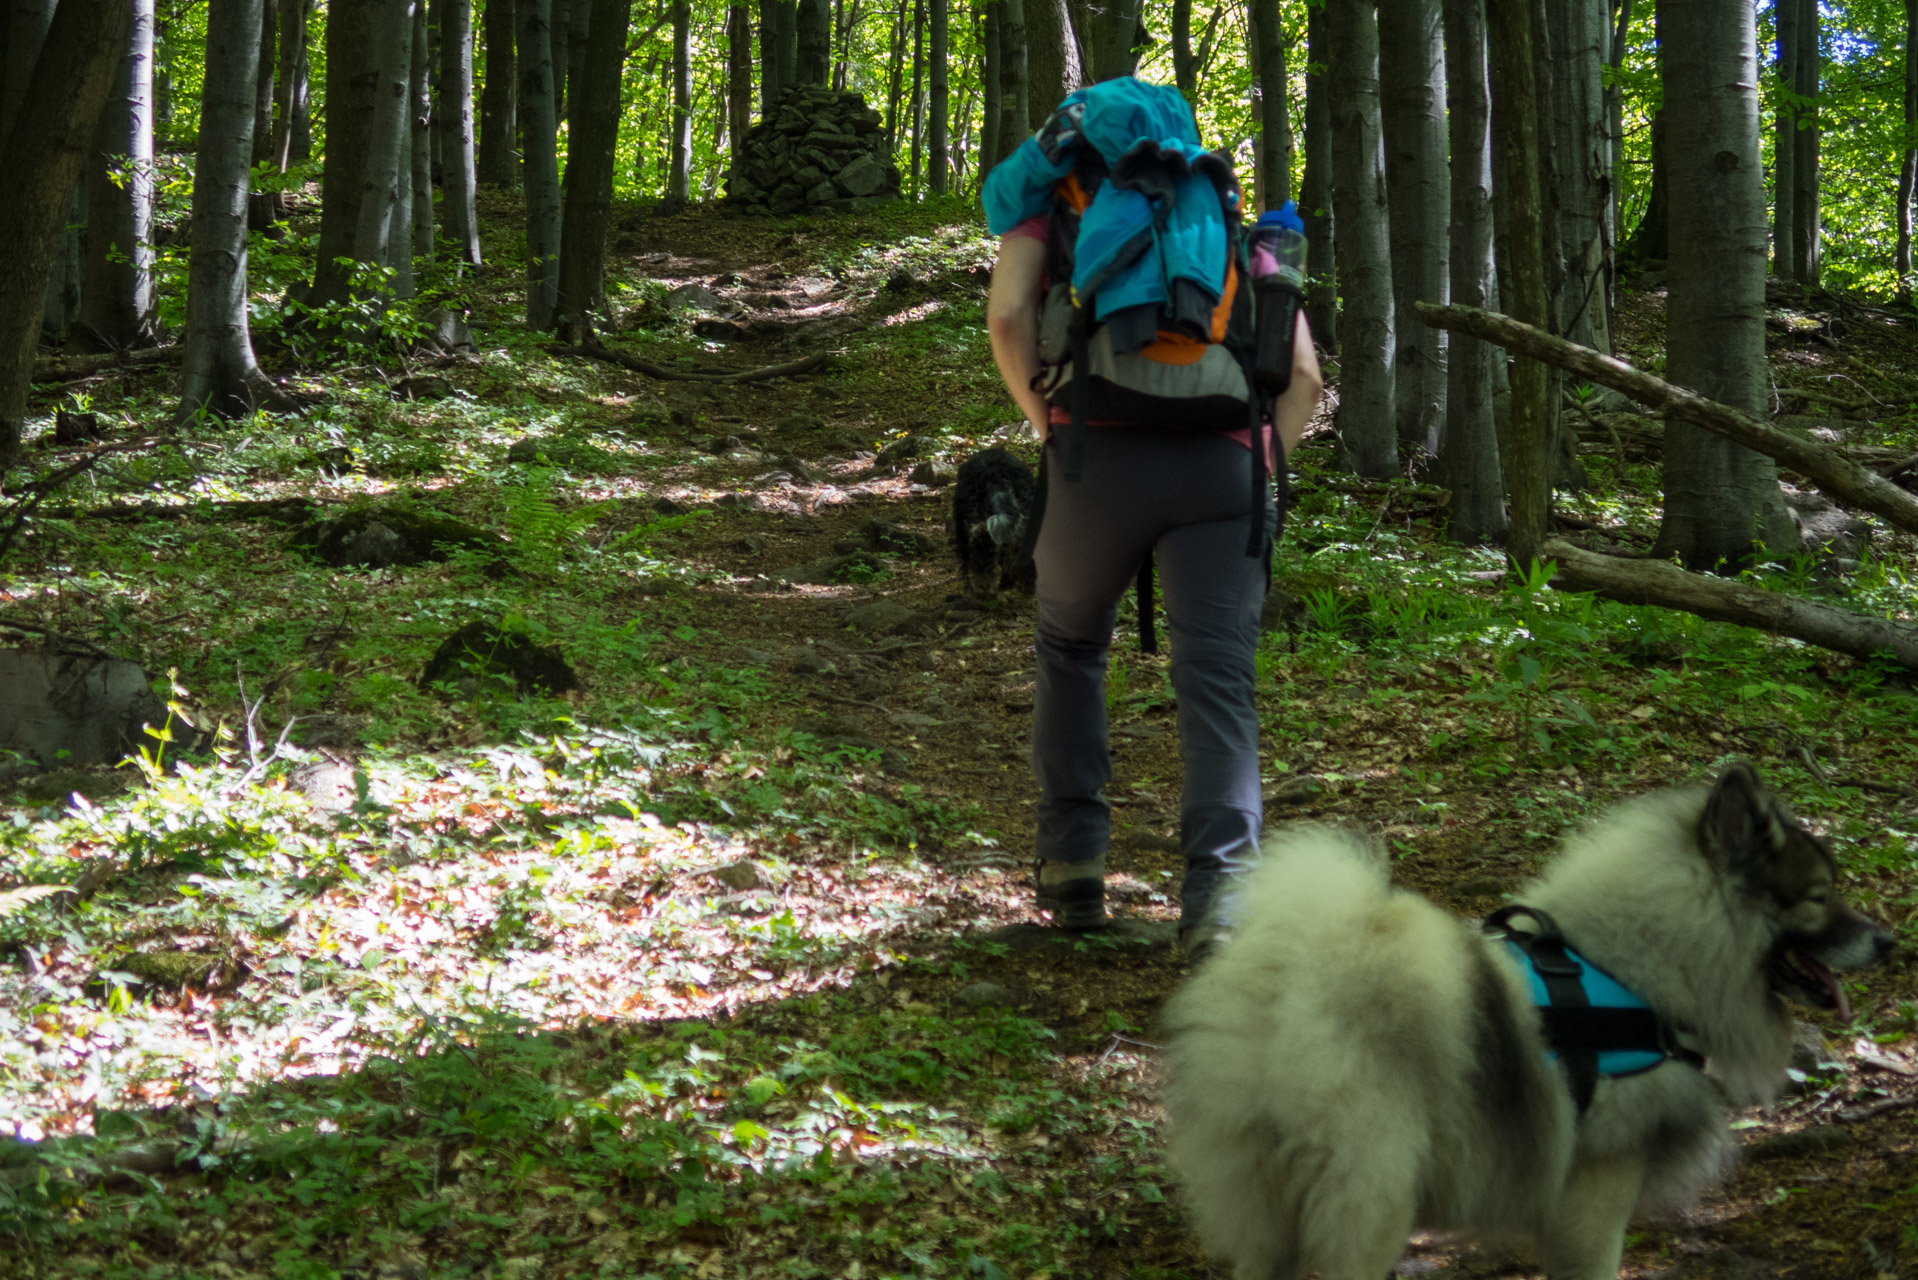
1827, 979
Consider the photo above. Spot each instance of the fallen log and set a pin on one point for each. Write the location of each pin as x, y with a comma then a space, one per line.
1664, 584
651, 370
1842, 479
66, 368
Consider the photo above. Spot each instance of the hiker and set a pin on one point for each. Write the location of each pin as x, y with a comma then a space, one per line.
1150, 462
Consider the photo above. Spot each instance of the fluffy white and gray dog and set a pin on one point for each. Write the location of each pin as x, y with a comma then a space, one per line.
1354, 1063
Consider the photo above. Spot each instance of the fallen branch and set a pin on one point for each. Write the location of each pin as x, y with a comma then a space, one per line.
1840, 477
63, 368
1664, 584
651, 370
238, 509
1826, 398
15, 517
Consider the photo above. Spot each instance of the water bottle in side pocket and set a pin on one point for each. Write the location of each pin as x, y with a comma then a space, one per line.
1275, 250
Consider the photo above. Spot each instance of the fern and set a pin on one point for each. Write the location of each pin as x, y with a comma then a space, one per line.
539, 528
14, 901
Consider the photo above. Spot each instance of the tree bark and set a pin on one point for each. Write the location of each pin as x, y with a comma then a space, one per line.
1661, 583
1527, 455
1839, 477
1274, 150
1784, 137
739, 77
813, 37
290, 89
1908, 166
918, 99
116, 308
1367, 438
769, 85
1015, 85
938, 161
378, 231
352, 84
786, 45
558, 33
991, 78
541, 124
1106, 38
1315, 196
221, 376
589, 171
679, 177
1412, 78
43, 153
1651, 239
1719, 497
1469, 450
420, 117
499, 99
263, 83
1583, 170
459, 169
27, 25
1614, 94
1807, 248
1054, 66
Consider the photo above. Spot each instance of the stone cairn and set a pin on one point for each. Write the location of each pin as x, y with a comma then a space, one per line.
820, 148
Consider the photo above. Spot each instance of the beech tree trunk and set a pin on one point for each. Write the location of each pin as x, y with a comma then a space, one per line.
1274, 150
1527, 453
917, 101
1784, 137
421, 148
263, 83
27, 26
1719, 497
1845, 481
221, 375
352, 83
116, 308
540, 123
379, 231
558, 33
1651, 241
1661, 583
1107, 37
1412, 76
1908, 168
991, 78
43, 151
1015, 86
459, 169
813, 41
1315, 196
1468, 453
589, 171
739, 77
786, 43
290, 89
499, 99
938, 162
1054, 67
679, 177
1368, 439
1806, 237
1582, 167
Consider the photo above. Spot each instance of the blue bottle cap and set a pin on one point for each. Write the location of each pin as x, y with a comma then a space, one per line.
1286, 216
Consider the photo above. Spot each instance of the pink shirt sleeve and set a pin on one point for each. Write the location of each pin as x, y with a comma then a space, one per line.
1033, 228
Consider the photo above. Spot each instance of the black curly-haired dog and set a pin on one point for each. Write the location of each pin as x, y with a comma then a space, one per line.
992, 505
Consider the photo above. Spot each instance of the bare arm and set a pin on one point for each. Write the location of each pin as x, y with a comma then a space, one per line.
1012, 318
1295, 408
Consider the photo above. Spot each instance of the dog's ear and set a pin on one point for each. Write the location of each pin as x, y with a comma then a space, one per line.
1740, 818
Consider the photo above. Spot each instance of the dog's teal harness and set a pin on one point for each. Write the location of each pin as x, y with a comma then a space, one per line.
1595, 1025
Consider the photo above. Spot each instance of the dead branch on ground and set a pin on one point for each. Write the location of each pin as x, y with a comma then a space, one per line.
790, 369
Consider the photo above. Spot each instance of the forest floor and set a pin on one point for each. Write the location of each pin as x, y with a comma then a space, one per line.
723, 963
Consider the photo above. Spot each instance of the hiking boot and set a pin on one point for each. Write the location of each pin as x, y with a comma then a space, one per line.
1198, 941
1073, 892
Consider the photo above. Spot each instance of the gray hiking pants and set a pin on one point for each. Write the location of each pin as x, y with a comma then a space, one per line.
1185, 498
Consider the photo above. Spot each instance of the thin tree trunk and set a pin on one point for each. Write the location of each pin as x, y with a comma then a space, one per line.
1274, 153
263, 83
499, 98
992, 89
1412, 79
1367, 438
541, 124
1516, 166
938, 162
1615, 119
116, 308
739, 78
1651, 241
559, 32
787, 46
290, 90
1054, 66
589, 171
43, 152
1806, 240
1185, 67
460, 177
378, 230
679, 180
1582, 167
895, 77
1469, 449
1784, 138
1315, 196
421, 120
913, 183
769, 85
1015, 85
1718, 496
1908, 168
221, 375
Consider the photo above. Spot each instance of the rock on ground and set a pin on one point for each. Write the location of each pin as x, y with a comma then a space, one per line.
67, 710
